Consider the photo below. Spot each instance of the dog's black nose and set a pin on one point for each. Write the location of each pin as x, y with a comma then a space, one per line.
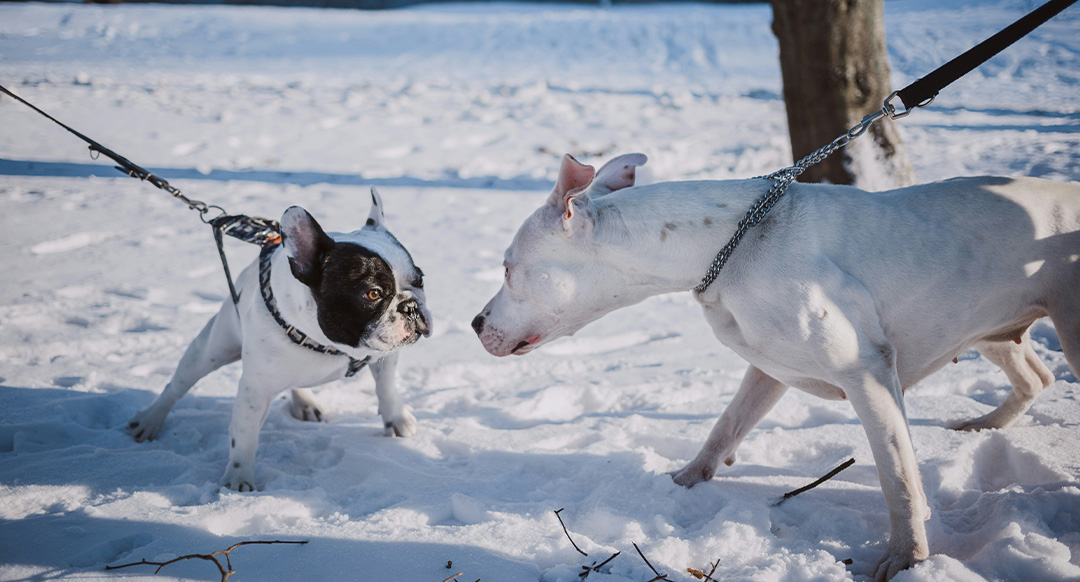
478, 323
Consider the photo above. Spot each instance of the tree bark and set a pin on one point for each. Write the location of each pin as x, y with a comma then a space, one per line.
835, 71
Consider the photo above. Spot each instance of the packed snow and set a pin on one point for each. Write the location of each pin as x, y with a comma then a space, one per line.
459, 113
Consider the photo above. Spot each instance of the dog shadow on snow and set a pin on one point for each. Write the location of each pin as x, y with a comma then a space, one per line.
74, 544
76, 442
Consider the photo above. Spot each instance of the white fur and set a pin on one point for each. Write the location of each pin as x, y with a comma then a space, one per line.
273, 363
839, 292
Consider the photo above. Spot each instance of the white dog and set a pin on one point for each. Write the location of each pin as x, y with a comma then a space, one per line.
312, 310
838, 292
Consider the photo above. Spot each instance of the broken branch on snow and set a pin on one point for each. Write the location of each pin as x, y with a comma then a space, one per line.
567, 532
827, 476
226, 569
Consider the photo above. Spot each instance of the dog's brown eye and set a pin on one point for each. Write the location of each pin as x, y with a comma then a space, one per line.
373, 294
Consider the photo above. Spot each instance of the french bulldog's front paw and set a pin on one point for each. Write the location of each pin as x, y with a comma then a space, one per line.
238, 478
402, 425
145, 425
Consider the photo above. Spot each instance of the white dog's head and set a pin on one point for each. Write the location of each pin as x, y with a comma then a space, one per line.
556, 281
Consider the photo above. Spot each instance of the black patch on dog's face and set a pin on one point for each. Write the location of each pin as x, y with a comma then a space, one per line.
355, 289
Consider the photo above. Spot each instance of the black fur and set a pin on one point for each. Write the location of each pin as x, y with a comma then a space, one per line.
346, 274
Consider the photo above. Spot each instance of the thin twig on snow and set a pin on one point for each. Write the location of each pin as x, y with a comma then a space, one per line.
225, 569
827, 476
567, 532
659, 576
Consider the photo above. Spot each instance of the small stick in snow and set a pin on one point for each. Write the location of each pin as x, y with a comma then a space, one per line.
828, 476
568, 533
455, 576
659, 576
211, 557
586, 570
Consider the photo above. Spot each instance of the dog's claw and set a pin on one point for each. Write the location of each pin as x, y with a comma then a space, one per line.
404, 425
892, 565
303, 406
145, 425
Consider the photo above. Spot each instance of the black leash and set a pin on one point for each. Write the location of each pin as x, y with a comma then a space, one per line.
918, 94
251, 229
922, 91
255, 230
124, 165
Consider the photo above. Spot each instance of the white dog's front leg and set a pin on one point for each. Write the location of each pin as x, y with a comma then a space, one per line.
397, 420
757, 395
878, 401
249, 412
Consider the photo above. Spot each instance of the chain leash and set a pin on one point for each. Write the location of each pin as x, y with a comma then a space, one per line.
784, 177
918, 94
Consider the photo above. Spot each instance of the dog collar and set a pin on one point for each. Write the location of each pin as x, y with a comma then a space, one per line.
298, 337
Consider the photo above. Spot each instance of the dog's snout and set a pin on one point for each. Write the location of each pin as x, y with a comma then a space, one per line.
478, 323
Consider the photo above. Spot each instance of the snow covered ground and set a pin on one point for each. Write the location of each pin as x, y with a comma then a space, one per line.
459, 113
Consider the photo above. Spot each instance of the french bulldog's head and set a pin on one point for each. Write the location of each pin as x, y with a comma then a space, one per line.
367, 291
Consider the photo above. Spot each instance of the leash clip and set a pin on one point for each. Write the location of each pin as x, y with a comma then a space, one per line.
890, 110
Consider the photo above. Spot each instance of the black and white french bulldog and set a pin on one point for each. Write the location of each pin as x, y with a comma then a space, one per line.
312, 309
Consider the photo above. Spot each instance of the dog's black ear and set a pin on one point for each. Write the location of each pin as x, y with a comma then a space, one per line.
306, 244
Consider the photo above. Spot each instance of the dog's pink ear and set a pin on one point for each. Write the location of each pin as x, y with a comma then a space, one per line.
617, 174
306, 245
573, 179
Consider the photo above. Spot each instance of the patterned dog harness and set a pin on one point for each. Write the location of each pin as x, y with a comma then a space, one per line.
298, 337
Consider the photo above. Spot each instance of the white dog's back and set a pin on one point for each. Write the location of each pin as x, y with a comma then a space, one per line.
948, 264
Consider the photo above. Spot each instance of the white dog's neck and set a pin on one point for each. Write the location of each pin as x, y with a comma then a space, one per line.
664, 237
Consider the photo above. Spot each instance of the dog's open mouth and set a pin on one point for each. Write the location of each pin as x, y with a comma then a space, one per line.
525, 346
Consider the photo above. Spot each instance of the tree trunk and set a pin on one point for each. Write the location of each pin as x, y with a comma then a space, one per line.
836, 71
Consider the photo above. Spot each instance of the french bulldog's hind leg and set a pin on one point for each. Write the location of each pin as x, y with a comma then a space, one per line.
216, 345
756, 396
397, 420
1025, 371
304, 406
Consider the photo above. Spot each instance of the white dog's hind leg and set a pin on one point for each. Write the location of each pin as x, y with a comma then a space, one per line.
877, 398
757, 395
1067, 322
304, 406
397, 420
216, 345
1027, 374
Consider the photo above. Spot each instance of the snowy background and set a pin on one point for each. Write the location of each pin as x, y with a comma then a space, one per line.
459, 114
